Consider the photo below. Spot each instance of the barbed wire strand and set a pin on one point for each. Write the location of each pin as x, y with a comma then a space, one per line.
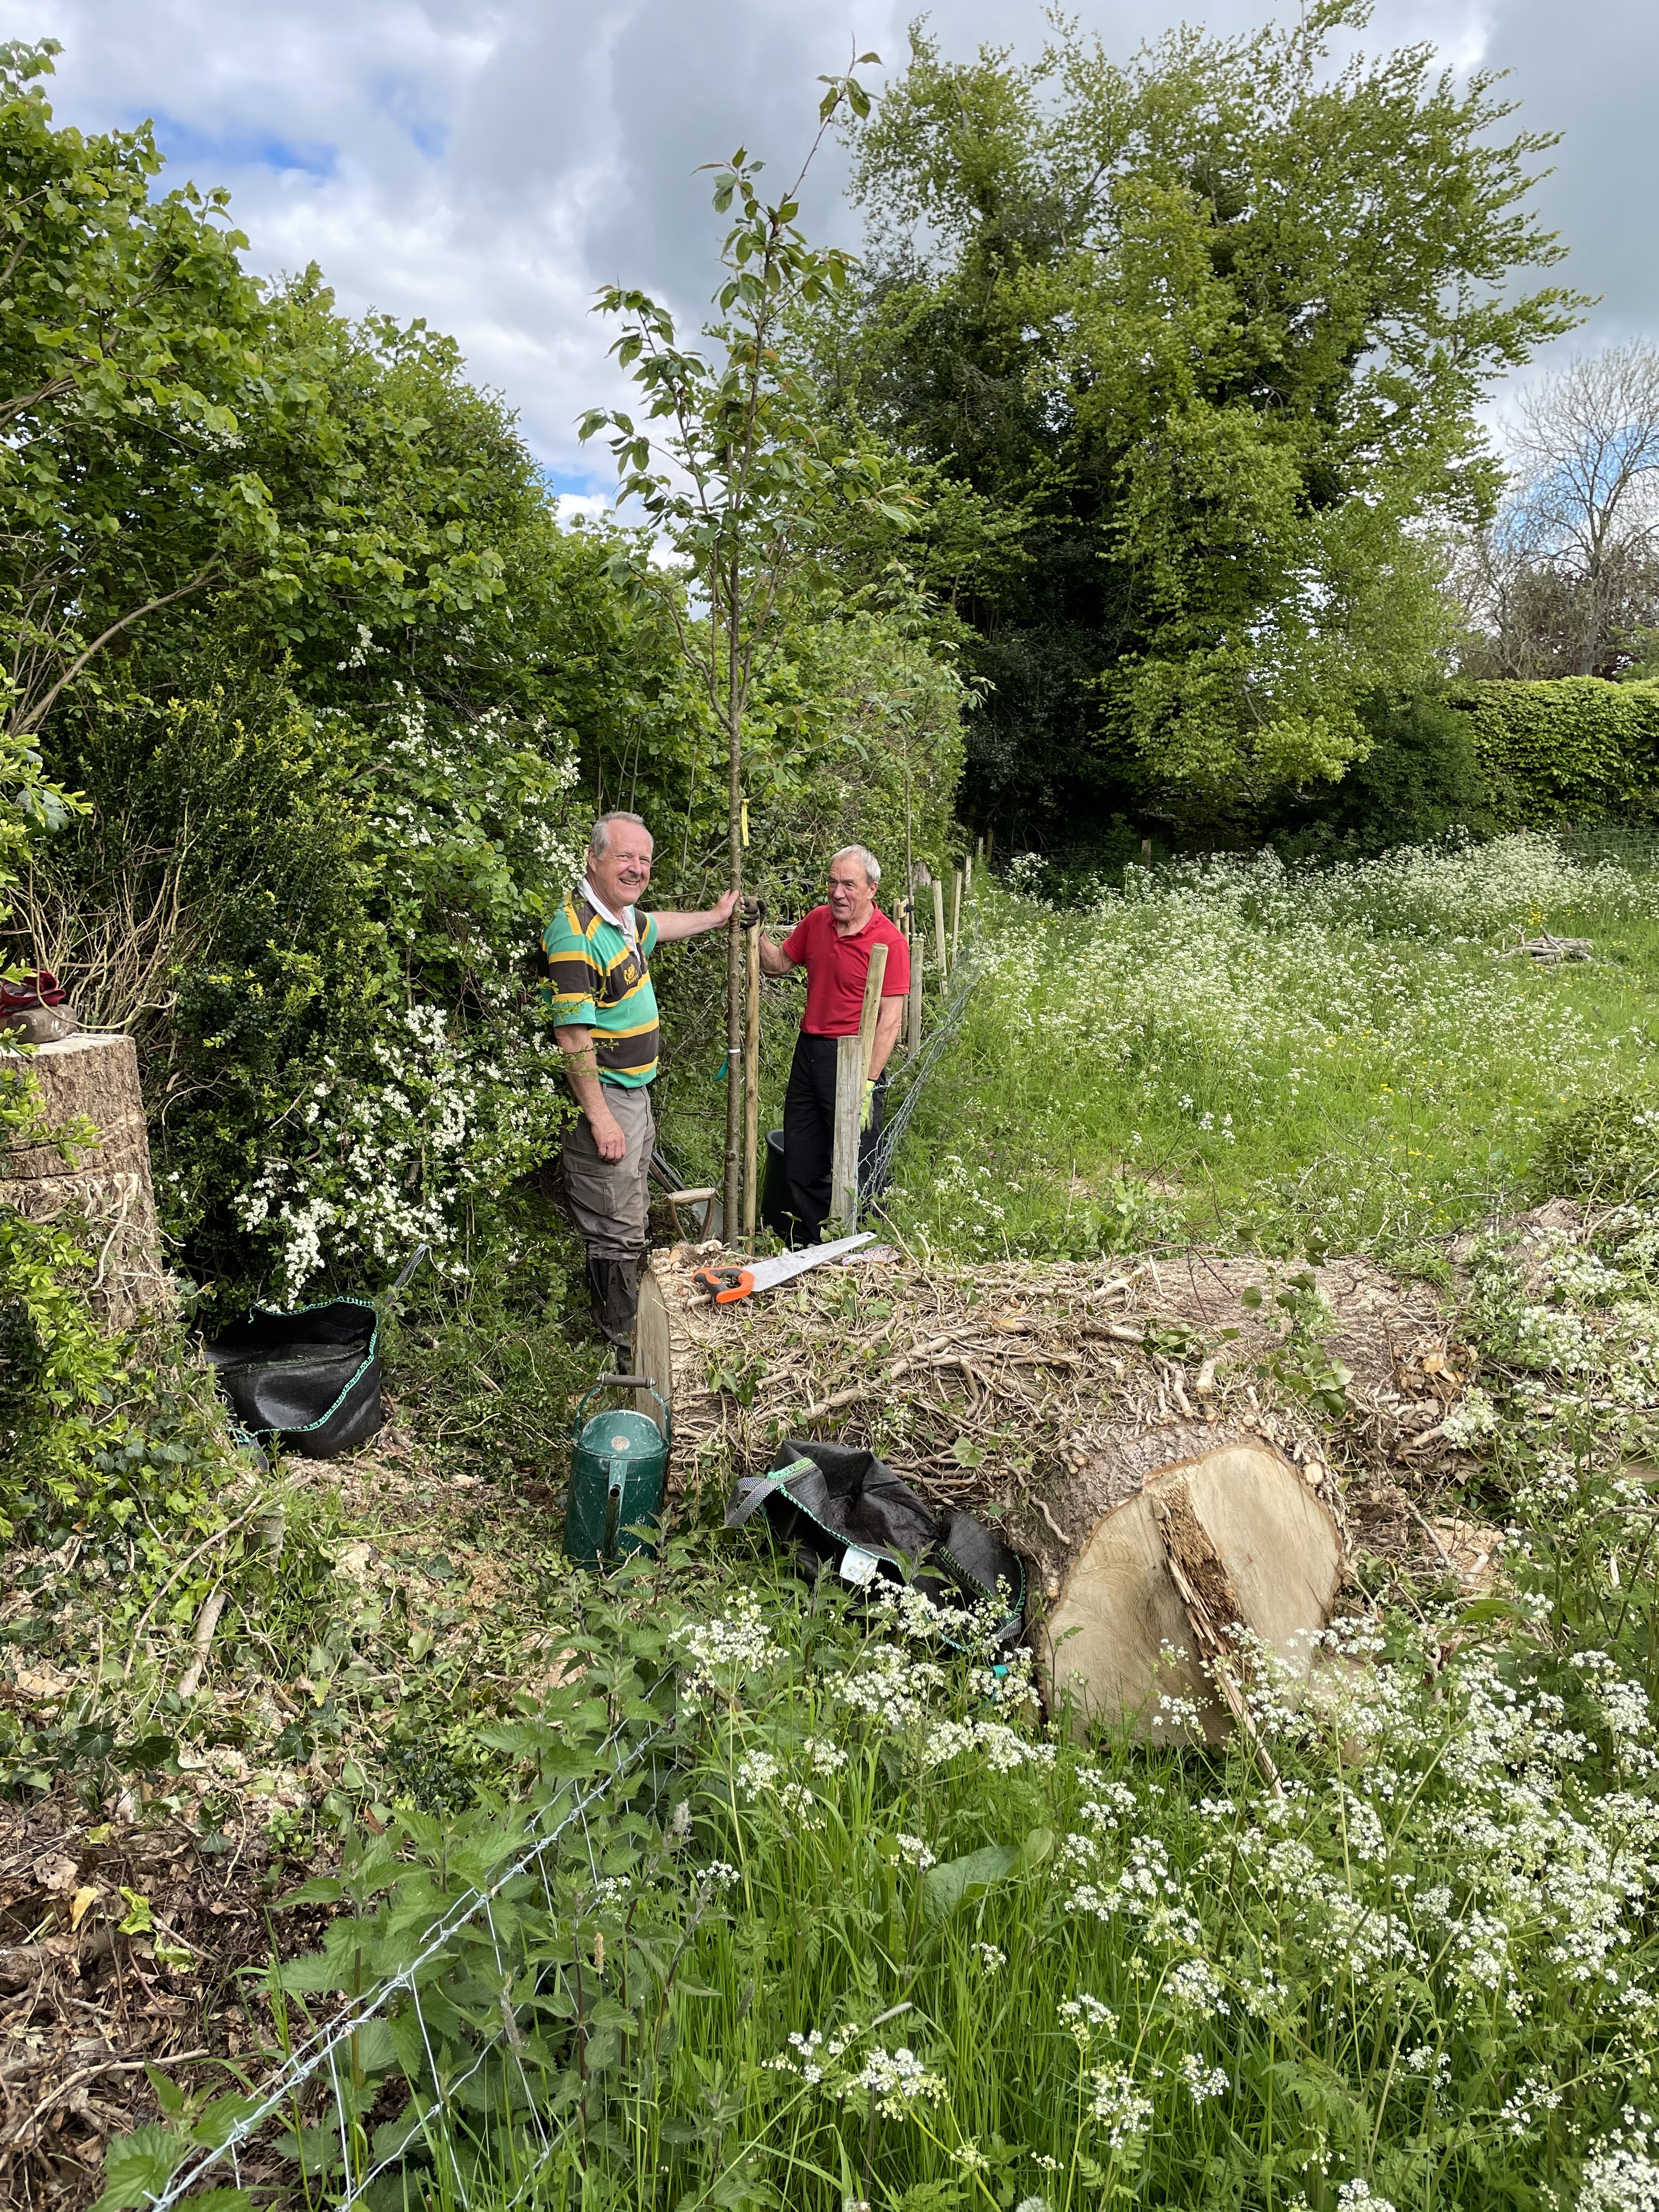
306, 2061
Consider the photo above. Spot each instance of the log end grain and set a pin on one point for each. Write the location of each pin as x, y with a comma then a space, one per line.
1241, 1523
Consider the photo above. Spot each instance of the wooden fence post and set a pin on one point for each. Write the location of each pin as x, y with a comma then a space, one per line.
852, 1058
918, 955
956, 915
940, 945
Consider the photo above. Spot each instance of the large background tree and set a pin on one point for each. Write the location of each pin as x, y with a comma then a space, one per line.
1204, 332
1565, 581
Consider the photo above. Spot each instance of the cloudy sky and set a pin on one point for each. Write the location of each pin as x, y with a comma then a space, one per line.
488, 163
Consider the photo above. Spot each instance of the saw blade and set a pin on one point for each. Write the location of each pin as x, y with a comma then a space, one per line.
767, 1275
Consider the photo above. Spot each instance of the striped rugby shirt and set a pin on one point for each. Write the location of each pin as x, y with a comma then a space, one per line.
597, 979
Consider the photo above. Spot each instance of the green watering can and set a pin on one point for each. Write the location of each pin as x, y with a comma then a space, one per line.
618, 1462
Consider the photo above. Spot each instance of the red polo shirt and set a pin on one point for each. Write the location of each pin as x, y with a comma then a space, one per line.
836, 968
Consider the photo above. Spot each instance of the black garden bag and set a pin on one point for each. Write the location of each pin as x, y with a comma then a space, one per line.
846, 1510
311, 1379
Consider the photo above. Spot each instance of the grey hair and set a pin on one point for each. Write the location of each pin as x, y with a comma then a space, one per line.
600, 840
865, 859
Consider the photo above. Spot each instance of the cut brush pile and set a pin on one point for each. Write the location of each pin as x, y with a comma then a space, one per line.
1044, 1396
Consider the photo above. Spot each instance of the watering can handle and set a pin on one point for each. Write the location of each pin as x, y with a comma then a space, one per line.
628, 1382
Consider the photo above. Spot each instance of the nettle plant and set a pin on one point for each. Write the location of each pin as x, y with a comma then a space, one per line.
444, 1088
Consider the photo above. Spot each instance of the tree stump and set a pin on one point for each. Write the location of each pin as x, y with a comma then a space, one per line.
1222, 1534
94, 1078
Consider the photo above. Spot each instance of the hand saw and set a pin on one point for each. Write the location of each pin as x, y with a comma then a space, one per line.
727, 1285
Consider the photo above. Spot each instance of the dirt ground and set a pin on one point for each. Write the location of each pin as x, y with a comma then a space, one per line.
125, 1947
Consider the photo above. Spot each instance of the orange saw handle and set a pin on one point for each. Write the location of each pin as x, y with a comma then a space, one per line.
726, 1285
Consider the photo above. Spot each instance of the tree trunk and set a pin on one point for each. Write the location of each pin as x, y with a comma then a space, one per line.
734, 982
95, 1078
1173, 1543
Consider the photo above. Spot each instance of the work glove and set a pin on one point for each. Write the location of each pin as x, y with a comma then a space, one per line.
751, 912
869, 1105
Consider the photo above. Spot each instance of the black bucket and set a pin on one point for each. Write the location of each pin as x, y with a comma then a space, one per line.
310, 1379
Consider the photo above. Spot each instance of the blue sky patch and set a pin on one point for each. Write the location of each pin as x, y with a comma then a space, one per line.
399, 100
206, 154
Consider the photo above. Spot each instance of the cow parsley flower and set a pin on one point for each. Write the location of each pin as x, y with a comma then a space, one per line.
897, 2079
1119, 2107
1204, 2081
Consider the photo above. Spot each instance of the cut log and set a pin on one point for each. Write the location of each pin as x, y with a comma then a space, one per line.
93, 1078
1161, 1581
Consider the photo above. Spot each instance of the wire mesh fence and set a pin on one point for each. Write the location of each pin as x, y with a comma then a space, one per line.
936, 1042
406, 2015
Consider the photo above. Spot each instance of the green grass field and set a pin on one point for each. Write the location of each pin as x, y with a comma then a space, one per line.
1326, 1061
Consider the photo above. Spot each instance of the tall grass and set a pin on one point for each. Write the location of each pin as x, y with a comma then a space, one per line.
894, 1945
1309, 1060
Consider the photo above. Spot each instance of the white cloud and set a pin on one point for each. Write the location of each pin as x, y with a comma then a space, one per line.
582, 507
489, 163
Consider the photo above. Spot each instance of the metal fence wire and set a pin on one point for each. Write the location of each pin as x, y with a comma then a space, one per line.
877, 1170
319, 2057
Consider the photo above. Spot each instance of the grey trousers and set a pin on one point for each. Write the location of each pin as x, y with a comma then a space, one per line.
610, 1199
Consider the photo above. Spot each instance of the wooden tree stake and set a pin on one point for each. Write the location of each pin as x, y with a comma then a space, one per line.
940, 946
918, 955
852, 1058
751, 1088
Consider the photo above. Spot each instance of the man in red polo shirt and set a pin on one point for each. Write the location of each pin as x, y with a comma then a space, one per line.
834, 944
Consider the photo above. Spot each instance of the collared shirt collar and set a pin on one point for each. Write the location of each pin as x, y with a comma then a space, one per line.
623, 921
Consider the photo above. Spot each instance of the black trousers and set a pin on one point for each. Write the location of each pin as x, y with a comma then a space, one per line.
809, 1130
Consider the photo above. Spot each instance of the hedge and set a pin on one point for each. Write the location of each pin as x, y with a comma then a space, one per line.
1576, 748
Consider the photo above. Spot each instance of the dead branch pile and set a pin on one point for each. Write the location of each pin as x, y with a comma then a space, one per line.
1548, 952
1032, 1391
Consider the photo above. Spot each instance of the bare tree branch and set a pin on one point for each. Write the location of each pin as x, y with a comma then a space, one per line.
30, 720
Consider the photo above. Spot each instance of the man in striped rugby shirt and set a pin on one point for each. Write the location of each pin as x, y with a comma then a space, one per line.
605, 1017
